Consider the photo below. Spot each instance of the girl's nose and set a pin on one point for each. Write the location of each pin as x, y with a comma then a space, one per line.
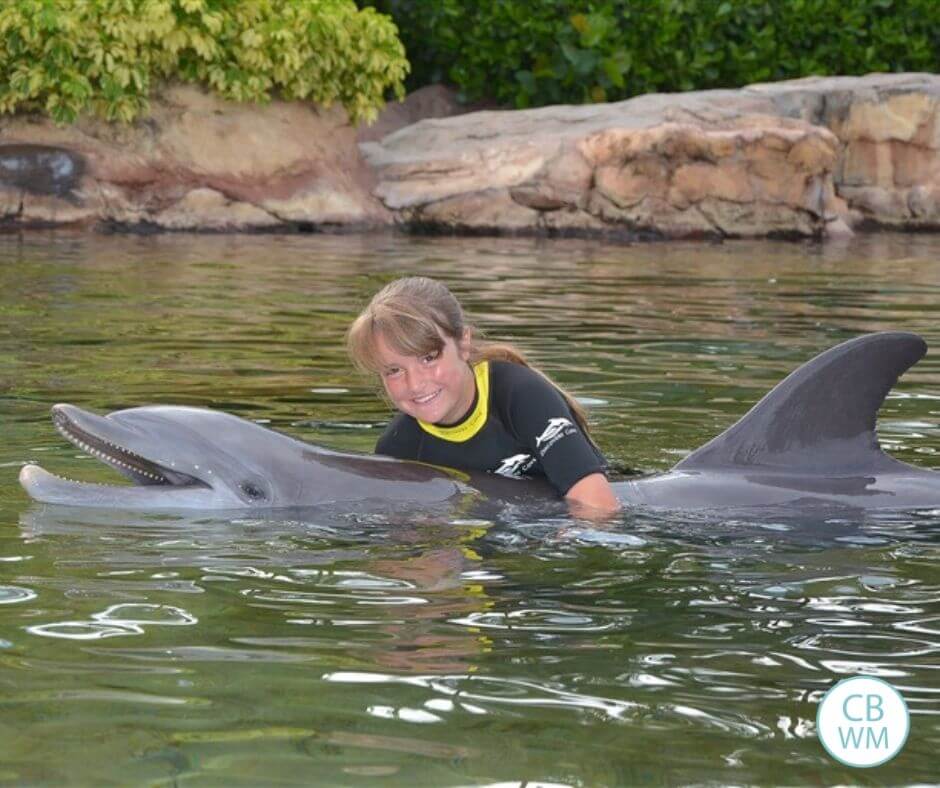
416, 378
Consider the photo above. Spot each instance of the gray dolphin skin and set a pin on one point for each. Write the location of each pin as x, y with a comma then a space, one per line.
182, 458
810, 441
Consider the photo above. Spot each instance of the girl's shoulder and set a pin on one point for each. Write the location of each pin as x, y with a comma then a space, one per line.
516, 389
508, 375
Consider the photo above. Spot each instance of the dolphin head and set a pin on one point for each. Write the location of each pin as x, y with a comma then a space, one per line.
193, 458
175, 457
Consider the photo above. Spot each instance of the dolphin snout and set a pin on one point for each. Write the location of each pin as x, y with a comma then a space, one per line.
62, 410
64, 415
31, 476
27, 473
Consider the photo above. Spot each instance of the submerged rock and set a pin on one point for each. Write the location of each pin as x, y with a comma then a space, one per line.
805, 158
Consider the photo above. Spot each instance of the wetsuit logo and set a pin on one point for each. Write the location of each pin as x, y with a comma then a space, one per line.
554, 432
516, 465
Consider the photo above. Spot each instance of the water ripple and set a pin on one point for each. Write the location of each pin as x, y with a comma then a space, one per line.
484, 690
292, 597
10, 595
116, 621
867, 645
538, 621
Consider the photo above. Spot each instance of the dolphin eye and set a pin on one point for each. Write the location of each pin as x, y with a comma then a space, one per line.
254, 492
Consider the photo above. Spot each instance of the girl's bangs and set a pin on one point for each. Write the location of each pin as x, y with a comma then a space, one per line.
408, 336
405, 335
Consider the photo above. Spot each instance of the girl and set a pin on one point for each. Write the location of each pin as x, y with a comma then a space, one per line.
472, 405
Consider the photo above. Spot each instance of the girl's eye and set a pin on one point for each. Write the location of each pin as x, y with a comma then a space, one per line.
430, 357
391, 372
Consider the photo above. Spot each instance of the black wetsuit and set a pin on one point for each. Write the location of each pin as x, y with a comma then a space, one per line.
522, 427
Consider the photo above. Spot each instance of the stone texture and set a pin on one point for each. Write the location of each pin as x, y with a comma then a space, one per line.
200, 163
754, 177
208, 209
700, 164
889, 142
809, 157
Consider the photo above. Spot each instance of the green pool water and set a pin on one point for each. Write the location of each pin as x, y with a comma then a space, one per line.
663, 649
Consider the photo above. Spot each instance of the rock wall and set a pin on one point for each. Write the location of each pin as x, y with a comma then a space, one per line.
702, 169
809, 157
888, 172
195, 163
805, 158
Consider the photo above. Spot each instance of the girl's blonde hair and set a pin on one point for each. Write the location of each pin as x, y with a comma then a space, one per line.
411, 314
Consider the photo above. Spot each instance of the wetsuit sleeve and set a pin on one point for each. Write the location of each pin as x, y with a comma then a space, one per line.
398, 440
541, 419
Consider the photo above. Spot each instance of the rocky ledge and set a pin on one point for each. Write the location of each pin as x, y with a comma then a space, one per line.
814, 157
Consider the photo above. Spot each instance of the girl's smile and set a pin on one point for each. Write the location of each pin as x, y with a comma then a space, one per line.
425, 400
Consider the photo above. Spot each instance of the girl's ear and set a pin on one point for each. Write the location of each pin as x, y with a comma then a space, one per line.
465, 344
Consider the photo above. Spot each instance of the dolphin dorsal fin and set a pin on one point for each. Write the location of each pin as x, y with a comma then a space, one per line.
822, 415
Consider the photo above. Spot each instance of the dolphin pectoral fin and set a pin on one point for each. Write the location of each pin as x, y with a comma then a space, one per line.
822, 415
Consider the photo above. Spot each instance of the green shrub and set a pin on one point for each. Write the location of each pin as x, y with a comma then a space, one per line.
529, 53
67, 56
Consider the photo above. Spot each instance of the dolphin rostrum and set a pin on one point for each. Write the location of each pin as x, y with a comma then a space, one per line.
810, 441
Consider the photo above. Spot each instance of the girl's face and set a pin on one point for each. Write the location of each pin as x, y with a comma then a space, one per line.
436, 388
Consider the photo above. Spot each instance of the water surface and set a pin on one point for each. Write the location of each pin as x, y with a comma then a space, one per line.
435, 650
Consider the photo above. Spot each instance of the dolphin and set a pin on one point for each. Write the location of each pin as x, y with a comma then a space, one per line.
184, 458
810, 441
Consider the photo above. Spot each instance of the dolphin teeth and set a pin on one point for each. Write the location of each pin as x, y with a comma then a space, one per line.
111, 453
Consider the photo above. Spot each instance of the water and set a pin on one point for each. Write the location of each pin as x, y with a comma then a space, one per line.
379, 651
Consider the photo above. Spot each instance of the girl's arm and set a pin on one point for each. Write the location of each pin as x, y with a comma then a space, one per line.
593, 497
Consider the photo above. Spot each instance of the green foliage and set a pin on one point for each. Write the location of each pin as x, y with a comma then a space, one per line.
527, 53
67, 56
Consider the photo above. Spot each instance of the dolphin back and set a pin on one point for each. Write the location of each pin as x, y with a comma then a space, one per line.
822, 415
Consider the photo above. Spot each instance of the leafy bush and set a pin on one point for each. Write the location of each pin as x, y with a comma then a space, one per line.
528, 53
66, 56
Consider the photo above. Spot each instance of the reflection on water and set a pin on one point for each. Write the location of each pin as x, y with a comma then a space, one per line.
346, 647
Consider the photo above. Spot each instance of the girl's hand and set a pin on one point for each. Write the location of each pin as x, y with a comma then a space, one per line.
592, 498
